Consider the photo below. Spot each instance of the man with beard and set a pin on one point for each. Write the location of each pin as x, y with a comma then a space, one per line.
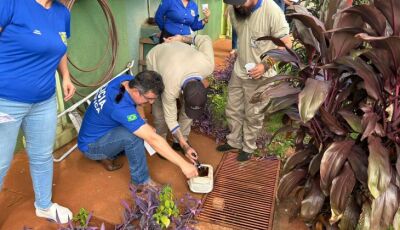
251, 19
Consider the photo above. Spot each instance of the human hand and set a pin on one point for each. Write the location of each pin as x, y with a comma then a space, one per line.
68, 88
177, 37
257, 71
206, 13
233, 53
191, 154
189, 170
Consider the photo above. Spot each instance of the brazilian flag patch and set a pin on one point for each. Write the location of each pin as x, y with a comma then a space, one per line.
131, 117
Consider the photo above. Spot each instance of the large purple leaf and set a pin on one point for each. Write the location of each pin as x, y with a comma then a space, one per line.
396, 220
368, 123
342, 42
313, 202
391, 9
382, 60
312, 97
293, 203
330, 15
306, 36
341, 189
290, 181
299, 158
286, 56
359, 163
365, 217
265, 94
332, 161
332, 123
390, 44
379, 169
398, 159
370, 15
302, 32
343, 39
366, 72
288, 52
315, 164
353, 120
384, 208
350, 216
317, 27
278, 104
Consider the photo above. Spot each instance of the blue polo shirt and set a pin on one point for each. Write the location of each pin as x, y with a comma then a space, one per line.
104, 114
258, 5
32, 42
175, 18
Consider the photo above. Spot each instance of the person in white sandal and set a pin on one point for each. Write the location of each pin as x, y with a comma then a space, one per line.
33, 44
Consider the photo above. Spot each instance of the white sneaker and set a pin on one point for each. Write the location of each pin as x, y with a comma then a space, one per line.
62, 212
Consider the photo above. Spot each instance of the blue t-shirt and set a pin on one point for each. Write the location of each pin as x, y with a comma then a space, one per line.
32, 42
104, 114
175, 18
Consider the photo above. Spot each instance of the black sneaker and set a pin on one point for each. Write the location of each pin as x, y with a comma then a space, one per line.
225, 148
243, 156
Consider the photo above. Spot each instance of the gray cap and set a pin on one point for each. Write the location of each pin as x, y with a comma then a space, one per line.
235, 2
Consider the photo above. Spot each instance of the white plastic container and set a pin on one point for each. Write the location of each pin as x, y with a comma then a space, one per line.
202, 184
249, 66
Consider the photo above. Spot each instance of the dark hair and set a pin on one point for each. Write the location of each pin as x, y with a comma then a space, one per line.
144, 82
147, 81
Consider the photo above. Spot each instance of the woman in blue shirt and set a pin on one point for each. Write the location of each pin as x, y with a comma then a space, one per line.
179, 17
33, 44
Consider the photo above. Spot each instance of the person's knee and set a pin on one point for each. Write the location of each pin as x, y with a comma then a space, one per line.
131, 139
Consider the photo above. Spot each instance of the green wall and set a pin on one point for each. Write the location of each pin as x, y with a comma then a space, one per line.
89, 33
213, 27
89, 36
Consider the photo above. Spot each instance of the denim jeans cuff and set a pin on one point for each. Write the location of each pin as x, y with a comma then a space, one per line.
41, 208
146, 180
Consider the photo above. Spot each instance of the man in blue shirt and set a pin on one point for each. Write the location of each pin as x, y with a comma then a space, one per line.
181, 17
112, 125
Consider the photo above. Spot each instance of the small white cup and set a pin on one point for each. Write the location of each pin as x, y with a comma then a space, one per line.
249, 66
204, 6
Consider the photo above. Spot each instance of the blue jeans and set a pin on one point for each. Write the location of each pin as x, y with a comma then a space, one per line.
38, 122
117, 140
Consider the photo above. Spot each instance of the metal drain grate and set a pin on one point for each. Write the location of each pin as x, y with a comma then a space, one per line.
244, 194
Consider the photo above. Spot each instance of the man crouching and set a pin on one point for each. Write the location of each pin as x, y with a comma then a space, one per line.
112, 125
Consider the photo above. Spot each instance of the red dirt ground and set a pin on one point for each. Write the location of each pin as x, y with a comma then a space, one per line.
79, 182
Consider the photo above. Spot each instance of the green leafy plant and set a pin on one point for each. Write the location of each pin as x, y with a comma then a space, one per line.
155, 208
81, 217
167, 208
343, 105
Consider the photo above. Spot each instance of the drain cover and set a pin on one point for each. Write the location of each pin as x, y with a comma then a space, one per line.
243, 195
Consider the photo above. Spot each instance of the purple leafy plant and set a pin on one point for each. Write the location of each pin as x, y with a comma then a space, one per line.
75, 225
190, 209
140, 215
213, 122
